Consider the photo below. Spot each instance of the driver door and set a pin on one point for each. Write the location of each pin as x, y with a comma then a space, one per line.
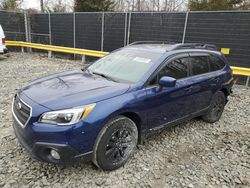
168, 105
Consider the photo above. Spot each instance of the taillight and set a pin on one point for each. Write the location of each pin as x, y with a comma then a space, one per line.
3, 40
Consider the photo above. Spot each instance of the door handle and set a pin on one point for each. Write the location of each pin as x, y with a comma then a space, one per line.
216, 79
189, 89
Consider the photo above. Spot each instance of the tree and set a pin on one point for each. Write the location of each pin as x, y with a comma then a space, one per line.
56, 6
10, 4
150, 5
93, 5
42, 5
208, 5
59, 6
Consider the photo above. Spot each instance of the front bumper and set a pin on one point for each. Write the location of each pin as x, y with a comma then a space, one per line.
41, 150
4, 51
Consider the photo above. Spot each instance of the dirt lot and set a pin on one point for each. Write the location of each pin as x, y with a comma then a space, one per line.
195, 154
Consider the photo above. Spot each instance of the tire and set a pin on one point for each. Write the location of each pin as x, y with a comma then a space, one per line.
115, 143
216, 108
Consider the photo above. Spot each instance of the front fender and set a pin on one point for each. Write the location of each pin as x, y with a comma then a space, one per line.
105, 110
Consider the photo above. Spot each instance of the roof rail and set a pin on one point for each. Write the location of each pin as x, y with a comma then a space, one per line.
150, 42
195, 45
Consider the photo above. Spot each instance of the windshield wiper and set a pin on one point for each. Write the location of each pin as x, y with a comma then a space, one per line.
87, 70
105, 76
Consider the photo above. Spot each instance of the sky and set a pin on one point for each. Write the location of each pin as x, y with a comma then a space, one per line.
36, 3
31, 4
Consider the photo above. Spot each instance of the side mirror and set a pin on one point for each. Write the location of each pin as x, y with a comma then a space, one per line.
166, 81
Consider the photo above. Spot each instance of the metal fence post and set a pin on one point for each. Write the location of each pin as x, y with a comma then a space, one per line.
129, 26
102, 31
50, 37
125, 29
247, 82
50, 40
83, 58
74, 32
185, 27
74, 29
26, 27
27, 30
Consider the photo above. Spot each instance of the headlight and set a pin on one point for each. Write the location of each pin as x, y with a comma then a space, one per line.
66, 117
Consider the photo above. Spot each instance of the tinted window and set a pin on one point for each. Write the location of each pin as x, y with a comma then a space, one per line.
177, 69
216, 63
199, 65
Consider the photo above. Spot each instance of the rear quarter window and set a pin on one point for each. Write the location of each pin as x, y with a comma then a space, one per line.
216, 63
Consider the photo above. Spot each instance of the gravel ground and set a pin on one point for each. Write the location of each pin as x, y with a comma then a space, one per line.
194, 154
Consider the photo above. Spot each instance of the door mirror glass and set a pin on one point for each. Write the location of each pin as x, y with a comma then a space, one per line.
166, 81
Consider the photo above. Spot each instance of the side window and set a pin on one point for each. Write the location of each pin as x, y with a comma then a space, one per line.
199, 65
177, 69
216, 63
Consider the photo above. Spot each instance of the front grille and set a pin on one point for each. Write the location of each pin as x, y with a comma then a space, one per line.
21, 111
23, 138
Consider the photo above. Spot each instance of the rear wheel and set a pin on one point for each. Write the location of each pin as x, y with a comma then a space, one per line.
116, 143
216, 109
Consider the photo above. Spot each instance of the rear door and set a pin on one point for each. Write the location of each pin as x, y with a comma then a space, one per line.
202, 81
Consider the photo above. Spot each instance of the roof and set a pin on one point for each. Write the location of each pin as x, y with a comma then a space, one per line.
162, 47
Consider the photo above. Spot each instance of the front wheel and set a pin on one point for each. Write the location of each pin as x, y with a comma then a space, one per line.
216, 108
115, 143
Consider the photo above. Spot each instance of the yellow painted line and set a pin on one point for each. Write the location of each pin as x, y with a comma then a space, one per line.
57, 48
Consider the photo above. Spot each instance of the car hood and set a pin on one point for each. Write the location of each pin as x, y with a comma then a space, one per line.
72, 89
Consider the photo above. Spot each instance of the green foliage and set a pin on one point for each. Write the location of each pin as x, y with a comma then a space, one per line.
10, 4
209, 5
93, 5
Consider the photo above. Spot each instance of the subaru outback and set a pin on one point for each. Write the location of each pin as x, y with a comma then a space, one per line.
102, 112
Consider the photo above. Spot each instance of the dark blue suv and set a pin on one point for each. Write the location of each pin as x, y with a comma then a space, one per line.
100, 113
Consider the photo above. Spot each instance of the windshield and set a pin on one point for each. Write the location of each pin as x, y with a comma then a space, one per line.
126, 65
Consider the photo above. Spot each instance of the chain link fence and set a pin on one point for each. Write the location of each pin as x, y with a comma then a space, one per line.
13, 24
107, 31
40, 28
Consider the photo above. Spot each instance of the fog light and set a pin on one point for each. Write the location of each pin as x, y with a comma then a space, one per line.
55, 154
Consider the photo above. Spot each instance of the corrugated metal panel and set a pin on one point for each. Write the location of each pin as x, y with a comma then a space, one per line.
62, 30
224, 29
157, 26
88, 30
39, 25
13, 25
114, 31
